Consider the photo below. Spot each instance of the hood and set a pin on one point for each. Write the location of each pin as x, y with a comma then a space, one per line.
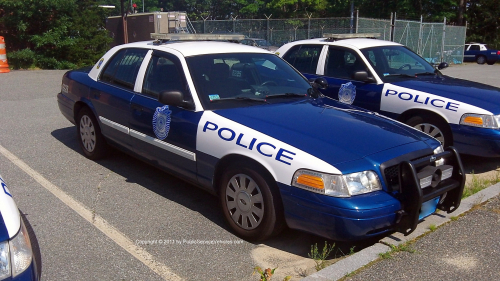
333, 134
473, 93
10, 219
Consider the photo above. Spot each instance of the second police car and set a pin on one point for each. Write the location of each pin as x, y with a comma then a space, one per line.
390, 79
17, 262
241, 123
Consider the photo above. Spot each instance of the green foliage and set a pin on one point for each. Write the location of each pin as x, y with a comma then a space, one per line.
22, 59
320, 257
58, 33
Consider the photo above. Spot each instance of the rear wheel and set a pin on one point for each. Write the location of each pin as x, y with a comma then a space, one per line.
434, 126
491, 62
250, 202
90, 138
480, 59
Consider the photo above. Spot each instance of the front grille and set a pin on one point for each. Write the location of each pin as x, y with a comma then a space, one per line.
392, 177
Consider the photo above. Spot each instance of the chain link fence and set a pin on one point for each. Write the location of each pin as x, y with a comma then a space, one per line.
436, 42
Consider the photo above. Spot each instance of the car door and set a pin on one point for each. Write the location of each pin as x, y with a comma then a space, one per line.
339, 68
113, 91
164, 135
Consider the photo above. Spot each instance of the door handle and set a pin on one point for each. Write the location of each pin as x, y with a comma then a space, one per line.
137, 108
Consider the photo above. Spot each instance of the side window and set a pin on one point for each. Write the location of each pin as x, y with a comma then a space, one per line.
474, 48
123, 68
342, 63
304, 57
164, 73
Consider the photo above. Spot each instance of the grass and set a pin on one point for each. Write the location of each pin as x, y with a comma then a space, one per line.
432, 227
479, 183
403, 247
320, 257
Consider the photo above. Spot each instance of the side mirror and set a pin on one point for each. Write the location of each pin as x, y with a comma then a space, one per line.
443, 65
362, 76
321, 83
175, 98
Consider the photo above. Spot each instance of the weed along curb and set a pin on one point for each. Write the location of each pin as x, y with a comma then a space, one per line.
362, 258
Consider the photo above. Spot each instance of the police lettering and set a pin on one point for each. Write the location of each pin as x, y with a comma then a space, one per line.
264, 148
439, 103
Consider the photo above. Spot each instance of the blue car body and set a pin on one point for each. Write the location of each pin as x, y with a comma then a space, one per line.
281, 135
411, 88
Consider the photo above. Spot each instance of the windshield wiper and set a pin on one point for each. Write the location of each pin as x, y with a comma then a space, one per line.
286, 95
425, 73
241, 99
400, 75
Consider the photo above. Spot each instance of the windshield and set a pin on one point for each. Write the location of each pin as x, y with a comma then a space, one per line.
393, 62
235, 80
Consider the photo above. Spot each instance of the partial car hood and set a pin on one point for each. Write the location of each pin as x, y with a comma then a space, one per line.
10, 219
473, 93
333, 134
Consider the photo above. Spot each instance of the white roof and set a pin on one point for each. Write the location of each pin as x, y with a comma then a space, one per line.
194, 48
355, 43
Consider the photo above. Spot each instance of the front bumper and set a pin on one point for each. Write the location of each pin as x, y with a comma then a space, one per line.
476, 141
367, 215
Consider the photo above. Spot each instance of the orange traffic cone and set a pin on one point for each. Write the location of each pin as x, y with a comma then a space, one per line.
4, 66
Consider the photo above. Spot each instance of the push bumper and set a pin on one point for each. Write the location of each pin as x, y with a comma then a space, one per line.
363, 216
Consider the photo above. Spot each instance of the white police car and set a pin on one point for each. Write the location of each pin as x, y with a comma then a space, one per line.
241, 123
16, 256
389, 78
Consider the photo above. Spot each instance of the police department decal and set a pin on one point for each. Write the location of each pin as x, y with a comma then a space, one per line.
161, 122
347, 93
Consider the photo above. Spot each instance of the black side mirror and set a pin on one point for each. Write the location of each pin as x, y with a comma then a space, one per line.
362, 76
175, 98
443, 65
321, 83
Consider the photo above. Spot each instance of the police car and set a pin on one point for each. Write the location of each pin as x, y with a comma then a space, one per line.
390, 79
16, 256
241, 123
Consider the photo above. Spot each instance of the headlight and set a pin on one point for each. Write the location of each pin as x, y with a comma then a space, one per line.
15, 254
480, 120
337, 185
438, 150
4, 260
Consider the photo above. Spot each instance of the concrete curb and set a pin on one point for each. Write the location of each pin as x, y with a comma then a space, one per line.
367, 255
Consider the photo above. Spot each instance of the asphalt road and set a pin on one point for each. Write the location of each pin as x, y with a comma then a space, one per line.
121, 219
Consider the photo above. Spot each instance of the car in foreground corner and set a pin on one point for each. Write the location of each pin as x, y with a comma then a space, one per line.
17, 262
480, 53
390, 79
241, 123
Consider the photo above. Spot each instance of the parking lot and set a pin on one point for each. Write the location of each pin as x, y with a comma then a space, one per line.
121, 219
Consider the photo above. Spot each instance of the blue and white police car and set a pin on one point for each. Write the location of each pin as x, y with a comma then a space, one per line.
390, 79
16, 256
241, 123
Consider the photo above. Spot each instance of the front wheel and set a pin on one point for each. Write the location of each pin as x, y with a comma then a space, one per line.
250, 202
90, 137
433, 126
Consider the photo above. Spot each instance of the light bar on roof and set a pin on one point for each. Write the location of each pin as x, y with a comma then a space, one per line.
350, 35
191, 37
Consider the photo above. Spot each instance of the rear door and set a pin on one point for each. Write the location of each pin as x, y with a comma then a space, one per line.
112, 93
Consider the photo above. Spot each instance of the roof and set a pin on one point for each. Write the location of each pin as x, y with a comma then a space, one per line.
356, 43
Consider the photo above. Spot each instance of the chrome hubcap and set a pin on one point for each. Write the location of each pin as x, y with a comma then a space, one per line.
244, 201
431, 130
87, 133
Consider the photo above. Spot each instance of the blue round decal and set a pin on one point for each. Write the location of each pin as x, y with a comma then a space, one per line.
347, 93
161, 122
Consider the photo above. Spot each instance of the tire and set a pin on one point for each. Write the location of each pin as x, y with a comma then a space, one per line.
433, 126
251, 202
480, 60
89, 135
491, 62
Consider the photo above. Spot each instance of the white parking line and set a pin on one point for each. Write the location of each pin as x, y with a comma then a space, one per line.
96, 220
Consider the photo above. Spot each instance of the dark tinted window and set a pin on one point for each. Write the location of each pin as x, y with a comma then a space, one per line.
342, 63
474, 48
123, 68
304, 57
164, 73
